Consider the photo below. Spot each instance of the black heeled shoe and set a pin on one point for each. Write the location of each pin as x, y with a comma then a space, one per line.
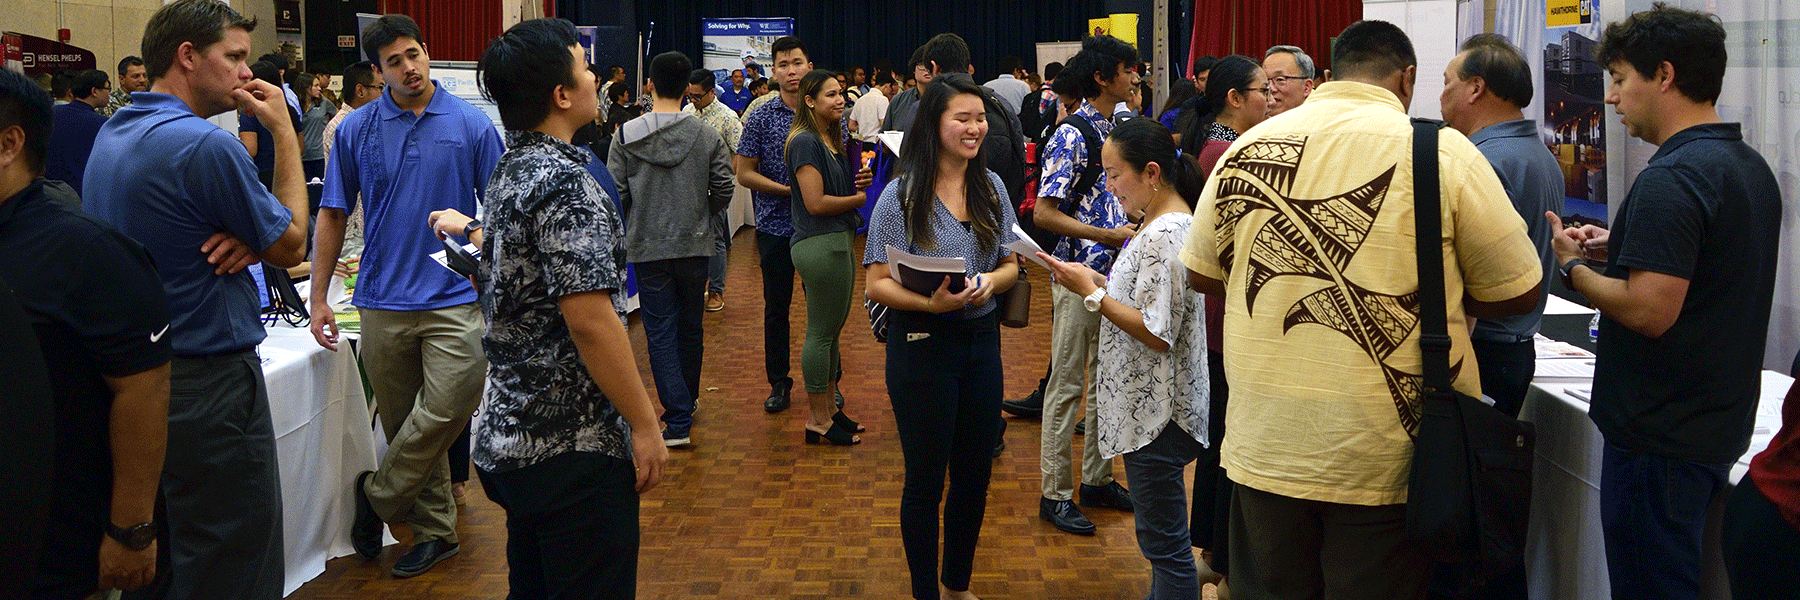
848, 425
836, 436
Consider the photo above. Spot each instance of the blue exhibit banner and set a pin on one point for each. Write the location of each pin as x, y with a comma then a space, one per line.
729, 44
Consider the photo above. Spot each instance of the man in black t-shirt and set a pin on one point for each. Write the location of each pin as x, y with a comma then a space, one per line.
98, 310
1685, 301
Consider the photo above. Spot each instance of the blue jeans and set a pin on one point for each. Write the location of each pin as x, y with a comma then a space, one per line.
1653, 511
715, 266
1160, 507
671, 298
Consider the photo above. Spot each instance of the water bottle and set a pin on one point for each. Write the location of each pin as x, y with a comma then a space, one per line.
1594, 329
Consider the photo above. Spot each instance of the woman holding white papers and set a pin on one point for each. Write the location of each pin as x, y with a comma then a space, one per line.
943, 349
825, 200
1152, 401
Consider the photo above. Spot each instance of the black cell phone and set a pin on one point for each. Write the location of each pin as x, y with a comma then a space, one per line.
460, 260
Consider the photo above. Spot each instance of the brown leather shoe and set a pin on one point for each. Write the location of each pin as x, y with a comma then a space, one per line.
715, 301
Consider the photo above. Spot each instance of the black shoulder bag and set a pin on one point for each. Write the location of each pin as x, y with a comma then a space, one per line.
1469, 493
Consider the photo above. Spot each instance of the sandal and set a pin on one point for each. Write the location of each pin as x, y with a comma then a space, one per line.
848, 425
836, 436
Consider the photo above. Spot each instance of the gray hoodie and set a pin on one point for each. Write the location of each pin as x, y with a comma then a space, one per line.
673, 173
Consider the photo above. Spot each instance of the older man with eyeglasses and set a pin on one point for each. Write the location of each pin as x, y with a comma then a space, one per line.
1291, 75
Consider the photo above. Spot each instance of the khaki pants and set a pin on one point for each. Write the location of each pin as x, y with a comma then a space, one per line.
1074, 340
427, 369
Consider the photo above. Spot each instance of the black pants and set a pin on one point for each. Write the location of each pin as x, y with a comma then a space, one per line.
1762, 550
1285, 548
1506, 372
221, 487
571, 527
459, 457
944, 379
1210, 521
778, 296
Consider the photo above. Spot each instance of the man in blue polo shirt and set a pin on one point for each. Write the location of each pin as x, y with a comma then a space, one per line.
737, 96
1684, 300
415, 149
1487, 86
76, 124
179, 185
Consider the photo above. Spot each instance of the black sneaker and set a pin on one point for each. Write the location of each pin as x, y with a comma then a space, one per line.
778, 396
1064, 515
1029, 406
675, 440
422, 557
1111, 495
365, 531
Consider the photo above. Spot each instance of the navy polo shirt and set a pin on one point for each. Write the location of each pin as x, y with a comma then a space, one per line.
72, 132
1707, 210
1534, 182
97, 309
404, 166
170, 179
737, 100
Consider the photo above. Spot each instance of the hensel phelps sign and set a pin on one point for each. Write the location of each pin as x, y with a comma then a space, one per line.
36, 55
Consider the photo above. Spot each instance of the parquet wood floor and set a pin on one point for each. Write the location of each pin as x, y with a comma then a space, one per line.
749, 511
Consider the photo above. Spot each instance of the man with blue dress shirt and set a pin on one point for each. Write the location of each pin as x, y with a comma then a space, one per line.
187, 191
416, 149
74, 127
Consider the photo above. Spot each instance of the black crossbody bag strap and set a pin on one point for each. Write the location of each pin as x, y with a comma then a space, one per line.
1434, 332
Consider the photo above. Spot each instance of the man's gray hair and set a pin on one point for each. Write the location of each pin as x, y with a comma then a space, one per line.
1300, 58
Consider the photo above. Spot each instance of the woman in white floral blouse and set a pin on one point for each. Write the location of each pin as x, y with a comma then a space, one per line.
1152, 376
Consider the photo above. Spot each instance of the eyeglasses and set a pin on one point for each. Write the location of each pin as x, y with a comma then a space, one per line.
1263, 89
1282, 80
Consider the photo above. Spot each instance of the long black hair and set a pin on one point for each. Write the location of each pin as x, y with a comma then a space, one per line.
1144, 141
1232, 73
919, 163
805, 120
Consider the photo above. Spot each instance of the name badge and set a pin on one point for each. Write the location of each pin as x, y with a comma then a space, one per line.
913, 337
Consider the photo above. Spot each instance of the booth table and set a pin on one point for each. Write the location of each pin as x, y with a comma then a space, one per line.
1565, 552
323, 439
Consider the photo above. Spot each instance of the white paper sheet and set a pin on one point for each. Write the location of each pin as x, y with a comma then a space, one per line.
1558, 306
891, 139
1026, 246
1565, 368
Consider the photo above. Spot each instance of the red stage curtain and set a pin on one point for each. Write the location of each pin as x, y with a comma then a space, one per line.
1249, 27
454, 29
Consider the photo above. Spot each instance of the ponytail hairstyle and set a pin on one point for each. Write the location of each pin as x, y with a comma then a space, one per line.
919, 165
806, 120
1144, 141
1231, 74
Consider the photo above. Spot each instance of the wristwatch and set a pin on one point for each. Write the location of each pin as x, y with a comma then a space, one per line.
473, 225
1567, 270
136, 537
1092, 301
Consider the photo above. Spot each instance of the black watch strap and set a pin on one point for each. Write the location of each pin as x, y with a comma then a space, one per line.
1567, 271
135, 537
473, 225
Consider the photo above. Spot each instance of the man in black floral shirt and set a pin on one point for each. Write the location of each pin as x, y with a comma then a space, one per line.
552, 446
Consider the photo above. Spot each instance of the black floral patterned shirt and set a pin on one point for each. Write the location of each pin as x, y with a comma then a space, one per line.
550, 232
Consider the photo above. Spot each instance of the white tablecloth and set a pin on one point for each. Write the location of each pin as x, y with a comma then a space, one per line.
323, 439
1565, 554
